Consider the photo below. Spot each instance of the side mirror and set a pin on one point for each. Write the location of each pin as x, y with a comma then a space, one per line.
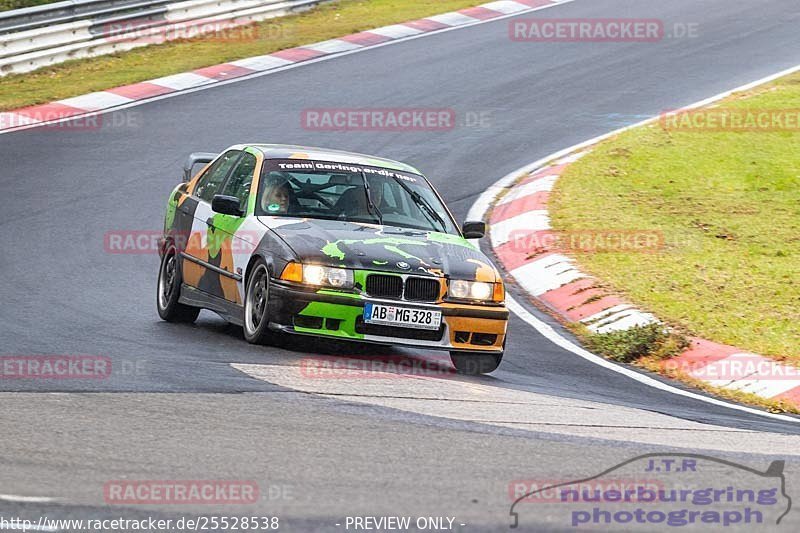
196, 158
227, 205
473, 230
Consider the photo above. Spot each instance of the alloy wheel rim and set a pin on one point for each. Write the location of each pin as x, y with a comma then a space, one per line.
166, 280
256, 304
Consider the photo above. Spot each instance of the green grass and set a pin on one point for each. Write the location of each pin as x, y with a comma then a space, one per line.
629, 345
6, 5
728, 204
327, 21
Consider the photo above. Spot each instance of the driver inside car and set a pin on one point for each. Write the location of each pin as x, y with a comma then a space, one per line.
353, 202
277, 197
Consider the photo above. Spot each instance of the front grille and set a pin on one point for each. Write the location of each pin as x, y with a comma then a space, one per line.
415, 289
400, 333
422, 289
382, 286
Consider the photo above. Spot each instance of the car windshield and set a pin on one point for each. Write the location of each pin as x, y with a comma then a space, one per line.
354, 193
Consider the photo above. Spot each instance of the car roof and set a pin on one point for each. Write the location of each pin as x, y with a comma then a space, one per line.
291, 151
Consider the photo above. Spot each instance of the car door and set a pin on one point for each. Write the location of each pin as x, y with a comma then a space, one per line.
198, 268
230, 243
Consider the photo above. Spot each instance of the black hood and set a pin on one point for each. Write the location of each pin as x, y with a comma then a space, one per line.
383, 248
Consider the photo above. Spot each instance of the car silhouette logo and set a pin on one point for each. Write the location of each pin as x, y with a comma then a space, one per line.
402, 265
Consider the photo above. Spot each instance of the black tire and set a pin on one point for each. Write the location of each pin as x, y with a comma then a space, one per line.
169, 291
256, 304
472, 363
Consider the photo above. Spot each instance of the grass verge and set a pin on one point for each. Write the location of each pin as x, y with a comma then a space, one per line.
728, 206
629, 345
648, 346
327, 21
7, 5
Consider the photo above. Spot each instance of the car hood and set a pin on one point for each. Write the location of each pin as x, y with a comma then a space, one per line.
382, 248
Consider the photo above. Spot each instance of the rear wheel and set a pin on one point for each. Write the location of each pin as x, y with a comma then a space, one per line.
169, 291
256, 305
472, 363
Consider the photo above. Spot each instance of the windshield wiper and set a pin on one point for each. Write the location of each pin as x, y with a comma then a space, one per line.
370, 204
423, 204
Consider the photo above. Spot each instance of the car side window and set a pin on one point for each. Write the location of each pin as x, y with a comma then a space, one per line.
238, 184
211, 180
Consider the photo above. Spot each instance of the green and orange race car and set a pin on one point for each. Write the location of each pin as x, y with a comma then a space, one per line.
301, 240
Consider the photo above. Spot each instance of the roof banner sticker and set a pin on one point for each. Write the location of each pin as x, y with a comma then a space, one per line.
344, 167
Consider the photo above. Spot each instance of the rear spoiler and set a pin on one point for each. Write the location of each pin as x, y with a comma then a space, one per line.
196, 158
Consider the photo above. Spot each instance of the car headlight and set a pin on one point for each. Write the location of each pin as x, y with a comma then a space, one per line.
476, 290
338, 278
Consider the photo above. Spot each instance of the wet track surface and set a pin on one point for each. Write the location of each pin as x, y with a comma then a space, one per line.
197, 402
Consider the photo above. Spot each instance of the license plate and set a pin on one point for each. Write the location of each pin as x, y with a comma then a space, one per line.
404, 317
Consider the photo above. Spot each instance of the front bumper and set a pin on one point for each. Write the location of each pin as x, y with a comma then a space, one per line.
323, 313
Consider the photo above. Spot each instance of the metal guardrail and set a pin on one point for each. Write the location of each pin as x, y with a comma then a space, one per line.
29, 18
53, 33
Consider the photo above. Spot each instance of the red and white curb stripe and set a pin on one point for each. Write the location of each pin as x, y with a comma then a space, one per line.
555, 280
74, 107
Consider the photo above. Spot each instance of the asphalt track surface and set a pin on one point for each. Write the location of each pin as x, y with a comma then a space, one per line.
197, 402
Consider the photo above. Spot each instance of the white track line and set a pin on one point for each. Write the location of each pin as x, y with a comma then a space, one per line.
484, 201
25, 499
169, 79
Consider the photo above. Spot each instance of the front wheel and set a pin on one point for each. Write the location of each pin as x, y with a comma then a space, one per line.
256, 305
169, 290
472, 363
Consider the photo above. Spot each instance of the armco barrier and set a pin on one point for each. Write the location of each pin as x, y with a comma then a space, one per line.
29, 18
29, 41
